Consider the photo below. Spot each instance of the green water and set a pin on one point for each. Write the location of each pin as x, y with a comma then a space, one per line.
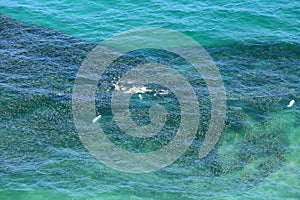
255, 45
210, 23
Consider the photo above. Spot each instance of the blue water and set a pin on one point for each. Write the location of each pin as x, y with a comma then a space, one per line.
255, 45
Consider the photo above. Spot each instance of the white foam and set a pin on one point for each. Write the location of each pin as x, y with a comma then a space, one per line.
162, 92
131, 89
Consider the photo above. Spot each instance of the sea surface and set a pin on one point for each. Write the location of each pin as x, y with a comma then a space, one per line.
256, 47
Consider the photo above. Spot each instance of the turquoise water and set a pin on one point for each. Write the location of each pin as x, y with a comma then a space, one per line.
212, 23
255, 45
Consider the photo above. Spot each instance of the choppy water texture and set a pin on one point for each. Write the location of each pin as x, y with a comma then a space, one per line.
256, 47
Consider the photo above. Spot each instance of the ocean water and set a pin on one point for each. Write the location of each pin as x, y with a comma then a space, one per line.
256, 47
